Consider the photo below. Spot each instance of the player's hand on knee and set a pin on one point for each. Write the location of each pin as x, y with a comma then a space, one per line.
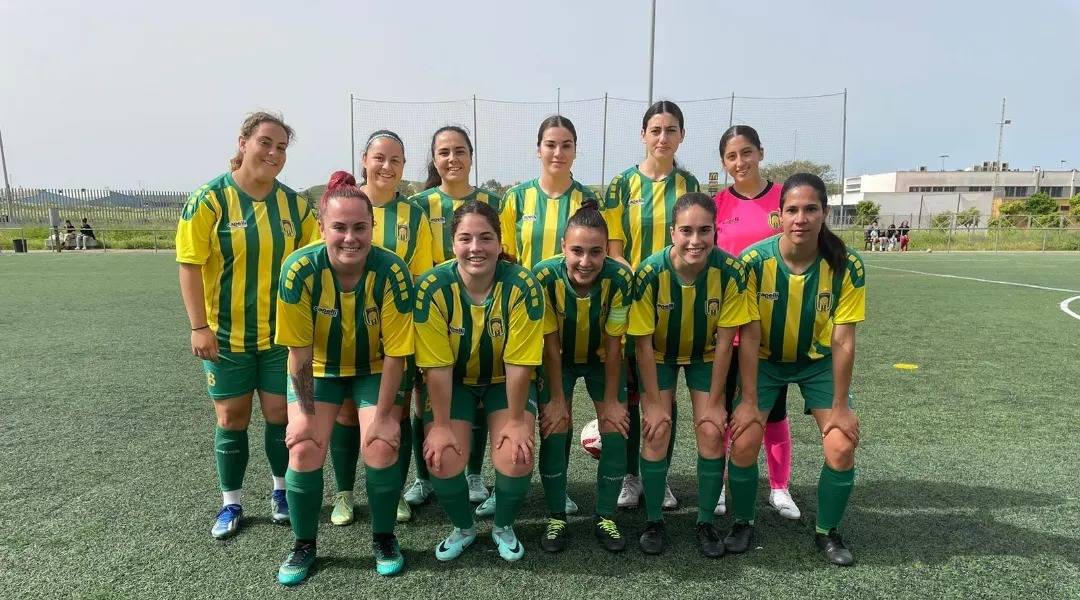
654, 424
298, 431
384, 429
438, 440
846, 421
744, 416
613, 415
554, 417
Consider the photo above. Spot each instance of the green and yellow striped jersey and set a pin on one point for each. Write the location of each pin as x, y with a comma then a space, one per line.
797, 312
440, 209
683, 318
580, 321
533, 223
350, 331
402, 227
240, 243
478, 340
637, 210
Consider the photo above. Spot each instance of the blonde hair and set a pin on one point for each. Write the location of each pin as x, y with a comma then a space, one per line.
248, 127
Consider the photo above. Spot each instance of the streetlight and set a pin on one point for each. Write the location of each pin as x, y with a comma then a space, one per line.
943, 157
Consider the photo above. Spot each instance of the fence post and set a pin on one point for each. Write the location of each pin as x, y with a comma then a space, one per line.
603, 148
1044, 240
476, 144
155, 241
104, 245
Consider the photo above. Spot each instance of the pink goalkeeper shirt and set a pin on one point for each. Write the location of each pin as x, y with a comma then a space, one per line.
742, 222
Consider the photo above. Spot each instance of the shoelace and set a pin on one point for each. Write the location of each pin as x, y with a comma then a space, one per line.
608, 526
709, 532
298, 557
228, 513
554, 526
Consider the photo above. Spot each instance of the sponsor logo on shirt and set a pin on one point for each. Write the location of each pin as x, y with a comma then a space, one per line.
330, 312
666, 306
774, 296
635, 202
437, 220
241, 224
528, 218
457, 330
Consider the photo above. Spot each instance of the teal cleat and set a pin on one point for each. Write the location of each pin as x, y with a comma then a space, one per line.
509, 546
297, 564
455, 544
227, 521
388, 558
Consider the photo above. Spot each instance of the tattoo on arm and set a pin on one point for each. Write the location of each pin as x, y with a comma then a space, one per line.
304, 383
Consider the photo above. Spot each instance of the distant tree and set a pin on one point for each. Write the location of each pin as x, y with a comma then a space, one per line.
1040, 204
1074, 206
968, 218
1013, 207
494, 186
779, 172
866, 212
942, 221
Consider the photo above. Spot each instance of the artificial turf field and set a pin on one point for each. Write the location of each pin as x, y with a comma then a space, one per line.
966, 484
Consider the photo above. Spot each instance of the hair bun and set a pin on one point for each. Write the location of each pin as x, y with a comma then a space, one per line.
339, 179
590, 204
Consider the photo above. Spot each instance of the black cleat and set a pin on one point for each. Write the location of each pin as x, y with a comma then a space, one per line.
555, 538
833, 547
738, 539
708, 541
608, 533
654, 539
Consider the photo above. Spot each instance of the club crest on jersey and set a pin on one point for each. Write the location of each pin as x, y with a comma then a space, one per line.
666, 306
371, 316
824, 301
287, 228
403, 232
330, 312
495, 327
241, 224
774, 296
712, 307
774, 219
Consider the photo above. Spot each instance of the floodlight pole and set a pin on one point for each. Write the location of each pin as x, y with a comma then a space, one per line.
352, 137
652, 48
7, 183
997, 164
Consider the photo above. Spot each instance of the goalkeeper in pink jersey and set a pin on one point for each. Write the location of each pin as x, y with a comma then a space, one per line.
747, 212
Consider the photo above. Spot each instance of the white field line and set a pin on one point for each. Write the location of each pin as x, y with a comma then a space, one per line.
1065, 307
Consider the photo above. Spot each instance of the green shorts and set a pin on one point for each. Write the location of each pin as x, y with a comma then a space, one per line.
466, 400
698, 376
361, 389
593, 374
815, 381
239, 373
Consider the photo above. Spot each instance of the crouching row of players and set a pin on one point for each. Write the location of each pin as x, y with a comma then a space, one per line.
480, 326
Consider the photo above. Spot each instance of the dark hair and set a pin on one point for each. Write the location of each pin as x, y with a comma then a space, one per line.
555, 121
248, 127
732, 132
693, 199
473, 207
830, 246
379, 133
588, 216
433, 177
663, 107
343, 185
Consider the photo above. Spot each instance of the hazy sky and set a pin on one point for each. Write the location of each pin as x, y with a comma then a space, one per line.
121, 93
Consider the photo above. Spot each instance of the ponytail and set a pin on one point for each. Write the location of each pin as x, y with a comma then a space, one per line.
588, 216
829, 245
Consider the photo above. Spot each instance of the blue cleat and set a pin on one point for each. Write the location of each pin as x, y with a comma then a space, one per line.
227, 521
279, 508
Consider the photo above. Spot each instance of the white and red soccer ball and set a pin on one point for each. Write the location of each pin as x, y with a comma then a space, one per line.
590, 439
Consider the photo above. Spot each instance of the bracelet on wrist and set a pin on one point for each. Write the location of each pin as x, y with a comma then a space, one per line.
207, 326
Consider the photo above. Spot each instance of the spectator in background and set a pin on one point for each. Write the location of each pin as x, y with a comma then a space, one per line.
891, 235
871, 235
86, 232
881, 239
904, 239
875, 233
69, 233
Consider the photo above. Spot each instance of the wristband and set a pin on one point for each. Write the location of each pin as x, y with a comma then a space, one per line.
200, 328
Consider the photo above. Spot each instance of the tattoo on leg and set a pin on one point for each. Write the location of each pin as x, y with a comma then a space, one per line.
304, 383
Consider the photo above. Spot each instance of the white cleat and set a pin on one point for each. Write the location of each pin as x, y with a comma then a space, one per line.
721, 504
630, 494
784, 504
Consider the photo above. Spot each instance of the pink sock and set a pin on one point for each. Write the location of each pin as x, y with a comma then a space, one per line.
778, 453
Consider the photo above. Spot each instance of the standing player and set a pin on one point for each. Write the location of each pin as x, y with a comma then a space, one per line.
233, 234
401, 227
747, 212
638, 212
447, 187
808, 292
479, 339
533, 220
588, 302
345, 313
689, 300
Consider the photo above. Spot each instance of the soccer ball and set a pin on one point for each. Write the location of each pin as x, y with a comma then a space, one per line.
929, 250
590, 439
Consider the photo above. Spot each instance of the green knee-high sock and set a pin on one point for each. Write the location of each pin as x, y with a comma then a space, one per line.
383, 490
833, 491
511, 492
710, 477
674, 429
276, 452
418, 447
609, 474
453, 495
552, 472
231, 456
633, 441
479, 444
569, 438
404, 452
304, 492
743, 483
654, 478
344, 454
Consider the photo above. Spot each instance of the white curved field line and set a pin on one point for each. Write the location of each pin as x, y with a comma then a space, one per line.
1064, 303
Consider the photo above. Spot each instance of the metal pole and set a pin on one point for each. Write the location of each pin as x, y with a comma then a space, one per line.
997, 165
476, 143
603, 148
652, 48
7, 183
795, 147
352, 138
843, 156
730, 123
558, 100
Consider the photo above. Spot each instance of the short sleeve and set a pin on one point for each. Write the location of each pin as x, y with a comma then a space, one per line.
618, 320
613, 210
295, 326
851, 308
545, 275
430, 324
196, 226
753, 277
643, 308
525, 336
508, 223
421, 258
309, 223
734, 309
398, 335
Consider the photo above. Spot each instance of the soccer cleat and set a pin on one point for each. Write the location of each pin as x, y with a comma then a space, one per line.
654, 539
738, 539
708, 541
781, 500
486, 508
509, 546
418, 493
630, 494
388, 558
833, 547
608, 533
343, 509
571, 507
455, 544
670, 501
227, 521
721, 504
555, 537
279, 508
404, 511
297, 564
477, 491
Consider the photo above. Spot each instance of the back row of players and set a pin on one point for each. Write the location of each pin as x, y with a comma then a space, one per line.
471, 294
